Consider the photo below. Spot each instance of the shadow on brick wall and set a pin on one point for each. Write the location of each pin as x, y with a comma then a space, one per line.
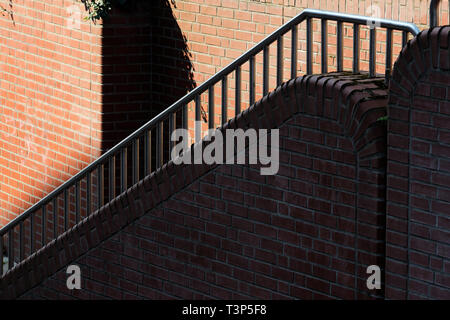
147, 66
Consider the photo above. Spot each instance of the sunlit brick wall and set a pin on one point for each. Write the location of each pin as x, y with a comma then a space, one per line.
50, 98
70, 89
218, 31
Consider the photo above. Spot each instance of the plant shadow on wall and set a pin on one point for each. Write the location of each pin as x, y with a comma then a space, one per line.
146, 65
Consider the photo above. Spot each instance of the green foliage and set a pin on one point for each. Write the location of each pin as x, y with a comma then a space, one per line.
99, 9
385, 118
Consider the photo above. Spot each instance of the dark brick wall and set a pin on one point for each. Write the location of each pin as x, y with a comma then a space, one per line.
146, 66
418, 207
226, 231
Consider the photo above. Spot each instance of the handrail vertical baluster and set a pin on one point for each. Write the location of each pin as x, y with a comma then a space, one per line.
44, 226
404, 38
372, 52
224, 99
433, 13
211, 107
252, 81
123, 169
88, 193
388, 66
66, 209
112, 177
77, 201
135, 158
148, 151
355, 48
339, 47
172, 124
280, 60
100, 186
160, 144
237, 97
1, 254
198, 127
309, 38
55, 220
21, 240
324, 45
10, 249
266, 70
185, 116
172, 128
294, 40
32, 233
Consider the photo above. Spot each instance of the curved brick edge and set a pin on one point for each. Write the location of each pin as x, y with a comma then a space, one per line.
355, 101
418, 189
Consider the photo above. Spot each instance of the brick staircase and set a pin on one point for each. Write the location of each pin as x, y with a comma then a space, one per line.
352, 190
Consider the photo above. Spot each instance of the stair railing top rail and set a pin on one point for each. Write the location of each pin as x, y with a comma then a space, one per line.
80, 192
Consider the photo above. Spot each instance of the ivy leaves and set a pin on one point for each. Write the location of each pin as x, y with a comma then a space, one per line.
98, 9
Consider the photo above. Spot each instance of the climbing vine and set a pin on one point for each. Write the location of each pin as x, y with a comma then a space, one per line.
97, 9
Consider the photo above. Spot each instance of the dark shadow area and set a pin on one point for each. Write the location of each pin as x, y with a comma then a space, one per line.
147, 66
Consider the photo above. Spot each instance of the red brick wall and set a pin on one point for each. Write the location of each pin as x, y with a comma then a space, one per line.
218, 31
50, 105
418, 247
226, 231
68, 92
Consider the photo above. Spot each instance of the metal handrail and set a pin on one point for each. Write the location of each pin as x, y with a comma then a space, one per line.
169, 114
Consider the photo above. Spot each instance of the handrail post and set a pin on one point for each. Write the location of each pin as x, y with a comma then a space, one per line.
355, 48
388, 63
372, 52
324, 45
280, 60
433, 13
309, 45
339, 47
